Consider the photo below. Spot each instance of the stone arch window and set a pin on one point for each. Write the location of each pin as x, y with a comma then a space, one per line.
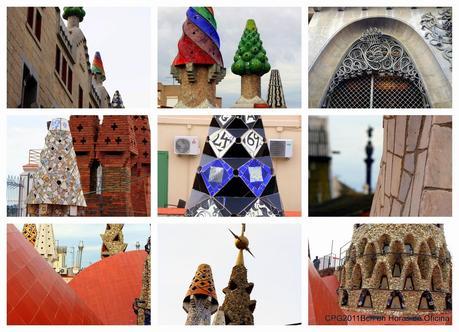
369, 259
365, 299
395, 300
381, 276
356, 281
411, 277
424, 260
426, 302
376, 72
344, 298
409, 244
436, 280
384, 244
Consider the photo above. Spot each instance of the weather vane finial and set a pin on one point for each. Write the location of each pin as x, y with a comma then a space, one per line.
242, 243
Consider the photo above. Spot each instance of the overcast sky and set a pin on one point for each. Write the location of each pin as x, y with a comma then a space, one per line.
321, 234
348, 135
280, 31
275, 270
122, 36
70, 235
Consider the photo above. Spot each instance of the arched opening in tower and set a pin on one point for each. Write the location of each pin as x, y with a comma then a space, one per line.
361, 246
381, 279
426, 302
395, 300
365, 299
411, 277
344, 298
409, 244
436, 280
384, 244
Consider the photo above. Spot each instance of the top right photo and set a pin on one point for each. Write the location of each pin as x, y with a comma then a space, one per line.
380, 57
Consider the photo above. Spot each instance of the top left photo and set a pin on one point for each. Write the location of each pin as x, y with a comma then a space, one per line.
78, 57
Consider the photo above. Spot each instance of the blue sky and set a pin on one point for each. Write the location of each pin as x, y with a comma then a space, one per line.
275, 270
70, 235
280, 31
348, 136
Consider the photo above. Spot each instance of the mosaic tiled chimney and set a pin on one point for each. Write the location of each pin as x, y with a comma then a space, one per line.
198, 66
415, 177
30, 233
56, 189
112, 240
250, 62
200, 301
397, 269
114, 157
238, 308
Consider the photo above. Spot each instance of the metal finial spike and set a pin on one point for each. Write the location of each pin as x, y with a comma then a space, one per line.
235, 236
250, 252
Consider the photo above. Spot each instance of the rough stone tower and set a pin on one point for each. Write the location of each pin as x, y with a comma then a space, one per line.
142, 304
238, 308
200, 301
276, 91
250, 62
236, 174
397, 269
56, 189
198, 66
46, 244
415, 177
30, 233
112, 240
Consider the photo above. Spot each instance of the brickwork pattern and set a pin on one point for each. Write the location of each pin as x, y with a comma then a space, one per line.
415, 177
120, 145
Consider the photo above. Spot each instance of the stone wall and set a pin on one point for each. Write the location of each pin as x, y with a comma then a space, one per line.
415, 177
120, 145
373, 254
332, 31
39, 55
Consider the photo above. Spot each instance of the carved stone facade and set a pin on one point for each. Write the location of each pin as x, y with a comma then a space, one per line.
415, 176
397, 269
112, 240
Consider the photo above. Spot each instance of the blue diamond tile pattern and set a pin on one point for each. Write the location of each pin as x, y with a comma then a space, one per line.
255, 175
216, 175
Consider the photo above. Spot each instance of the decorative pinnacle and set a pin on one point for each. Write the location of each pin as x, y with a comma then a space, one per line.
74, 11
242, 243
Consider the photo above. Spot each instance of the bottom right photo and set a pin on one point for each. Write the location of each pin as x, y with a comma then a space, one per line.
379, 274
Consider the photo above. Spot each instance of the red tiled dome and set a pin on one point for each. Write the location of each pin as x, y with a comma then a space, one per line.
110, 286
321, 302
37, 295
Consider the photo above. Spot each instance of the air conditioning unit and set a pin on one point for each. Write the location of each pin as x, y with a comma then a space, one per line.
281, 148
186, 145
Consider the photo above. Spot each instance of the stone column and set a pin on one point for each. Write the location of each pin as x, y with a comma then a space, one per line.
250, 62
200, 302
198, 66
112, 241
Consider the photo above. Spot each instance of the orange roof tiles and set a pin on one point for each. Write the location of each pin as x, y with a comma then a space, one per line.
36, 294
110, 286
